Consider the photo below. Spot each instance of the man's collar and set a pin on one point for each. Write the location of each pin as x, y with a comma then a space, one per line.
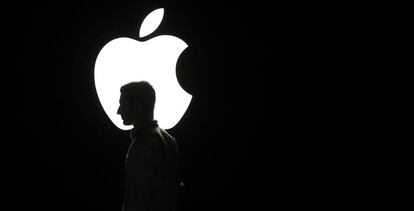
143, 128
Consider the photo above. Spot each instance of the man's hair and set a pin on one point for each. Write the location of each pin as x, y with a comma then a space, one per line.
142, 92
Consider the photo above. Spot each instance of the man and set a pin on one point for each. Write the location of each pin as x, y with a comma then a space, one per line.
151, 177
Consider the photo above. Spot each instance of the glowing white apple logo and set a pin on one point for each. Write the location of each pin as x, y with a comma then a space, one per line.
123, 60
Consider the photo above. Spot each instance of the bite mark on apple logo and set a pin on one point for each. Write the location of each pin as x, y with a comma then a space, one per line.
124, 60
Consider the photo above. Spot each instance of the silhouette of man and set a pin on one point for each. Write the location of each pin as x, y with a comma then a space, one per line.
151, 176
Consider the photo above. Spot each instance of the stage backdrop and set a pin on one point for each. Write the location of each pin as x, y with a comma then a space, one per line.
245, 140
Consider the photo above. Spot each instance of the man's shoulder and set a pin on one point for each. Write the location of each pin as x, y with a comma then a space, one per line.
159, 137
165, 134
159, 134
153, 137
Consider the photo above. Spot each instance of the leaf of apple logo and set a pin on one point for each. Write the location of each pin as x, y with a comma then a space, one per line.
123, 60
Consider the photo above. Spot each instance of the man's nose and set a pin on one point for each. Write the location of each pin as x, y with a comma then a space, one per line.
119, 110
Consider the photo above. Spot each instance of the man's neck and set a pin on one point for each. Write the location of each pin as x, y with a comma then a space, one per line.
140, 128
137, 126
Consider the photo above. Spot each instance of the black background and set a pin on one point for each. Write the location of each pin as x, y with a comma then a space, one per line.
249, 139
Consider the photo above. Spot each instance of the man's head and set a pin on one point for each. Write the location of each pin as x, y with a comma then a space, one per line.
136, 104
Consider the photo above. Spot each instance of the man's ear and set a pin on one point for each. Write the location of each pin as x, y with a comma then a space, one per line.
137, 105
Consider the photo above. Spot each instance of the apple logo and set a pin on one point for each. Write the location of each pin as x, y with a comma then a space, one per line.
124, 60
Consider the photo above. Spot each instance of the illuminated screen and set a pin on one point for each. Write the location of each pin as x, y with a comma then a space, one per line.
124, 60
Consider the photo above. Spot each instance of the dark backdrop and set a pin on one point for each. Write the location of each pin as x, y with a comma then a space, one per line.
248, 139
